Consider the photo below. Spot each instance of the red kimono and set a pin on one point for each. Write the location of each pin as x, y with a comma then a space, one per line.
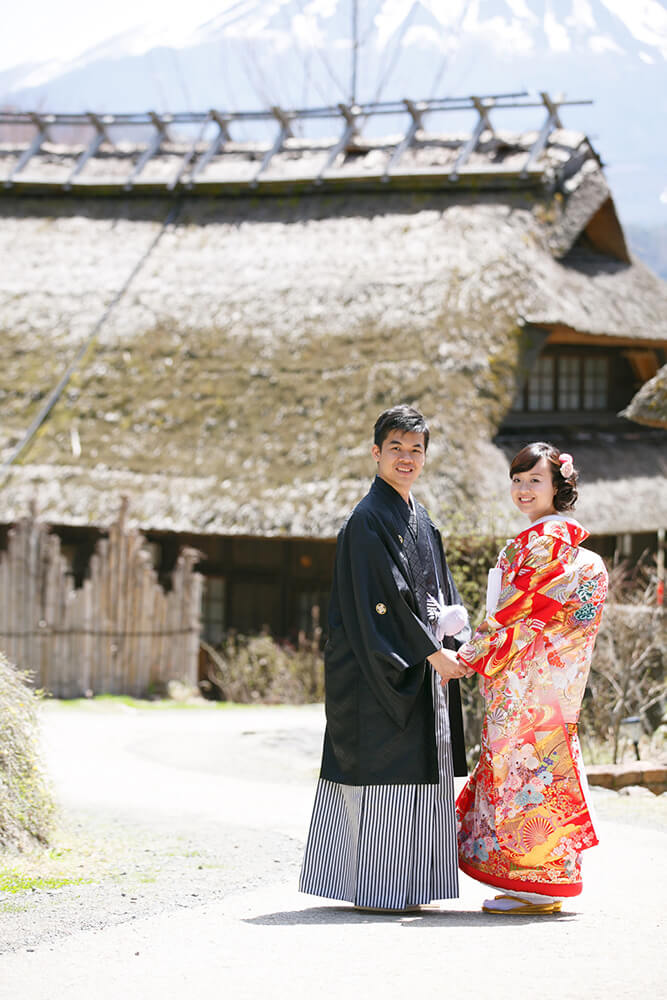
522, 817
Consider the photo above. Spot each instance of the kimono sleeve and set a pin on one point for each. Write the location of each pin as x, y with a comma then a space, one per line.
542, 583
388, 640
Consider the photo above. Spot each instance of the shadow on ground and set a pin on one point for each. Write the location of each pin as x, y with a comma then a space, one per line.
426, 918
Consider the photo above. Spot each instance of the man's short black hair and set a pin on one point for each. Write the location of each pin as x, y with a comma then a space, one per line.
400, 418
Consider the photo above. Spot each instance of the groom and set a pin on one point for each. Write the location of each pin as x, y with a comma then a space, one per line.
383, 831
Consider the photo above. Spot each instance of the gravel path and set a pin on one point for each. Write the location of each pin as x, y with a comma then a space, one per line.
163, 809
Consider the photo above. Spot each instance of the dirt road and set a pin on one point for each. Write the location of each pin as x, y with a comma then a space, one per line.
197, 820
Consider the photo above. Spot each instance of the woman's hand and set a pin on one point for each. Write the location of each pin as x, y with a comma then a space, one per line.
445, 662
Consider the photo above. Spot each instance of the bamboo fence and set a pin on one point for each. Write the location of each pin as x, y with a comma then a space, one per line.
120, 633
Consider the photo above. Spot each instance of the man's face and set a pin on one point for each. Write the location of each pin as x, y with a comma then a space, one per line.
401, 459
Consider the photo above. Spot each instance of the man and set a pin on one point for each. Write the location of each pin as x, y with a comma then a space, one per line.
383, 831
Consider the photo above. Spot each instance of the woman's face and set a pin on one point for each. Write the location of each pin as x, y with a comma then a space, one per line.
533, 491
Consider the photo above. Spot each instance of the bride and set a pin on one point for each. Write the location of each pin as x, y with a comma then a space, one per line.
523, 820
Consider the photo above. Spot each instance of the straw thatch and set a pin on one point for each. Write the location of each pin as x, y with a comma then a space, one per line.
649, 406
233, 387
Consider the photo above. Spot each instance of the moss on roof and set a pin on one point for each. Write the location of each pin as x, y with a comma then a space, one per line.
234, 386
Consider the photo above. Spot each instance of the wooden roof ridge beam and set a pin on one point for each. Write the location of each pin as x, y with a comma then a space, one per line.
157, 140
552, 121
350, 113
222, 137
42, 123
416, 110
101, 135
189, 156
482, 105
285, 118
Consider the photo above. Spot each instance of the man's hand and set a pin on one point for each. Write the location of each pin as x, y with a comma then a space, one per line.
447, 665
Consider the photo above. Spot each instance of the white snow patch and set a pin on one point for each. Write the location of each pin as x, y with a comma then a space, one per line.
424, 36
557, 36
307, 32
502, 35
520, 10
581, 16
646, 20
321, 8
604, 43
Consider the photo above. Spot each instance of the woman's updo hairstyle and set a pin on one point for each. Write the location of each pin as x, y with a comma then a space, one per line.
559, 462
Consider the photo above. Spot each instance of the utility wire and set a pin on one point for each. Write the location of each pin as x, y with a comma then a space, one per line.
71, 368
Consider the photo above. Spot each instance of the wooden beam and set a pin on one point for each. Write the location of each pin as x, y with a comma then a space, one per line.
483, 125
101, 135
159, 137
552, 121
417, 114
560, 334
426, 180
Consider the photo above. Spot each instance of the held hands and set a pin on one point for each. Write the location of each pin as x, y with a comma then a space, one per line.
445, 662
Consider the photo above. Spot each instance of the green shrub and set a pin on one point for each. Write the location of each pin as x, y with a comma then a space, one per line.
25, 803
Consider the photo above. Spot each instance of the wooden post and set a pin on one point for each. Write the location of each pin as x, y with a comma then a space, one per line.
86, 600
660, 589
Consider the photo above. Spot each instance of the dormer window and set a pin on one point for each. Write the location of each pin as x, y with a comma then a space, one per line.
580, 385
566, 382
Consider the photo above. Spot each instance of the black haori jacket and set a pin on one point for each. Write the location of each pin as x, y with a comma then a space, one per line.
379, 703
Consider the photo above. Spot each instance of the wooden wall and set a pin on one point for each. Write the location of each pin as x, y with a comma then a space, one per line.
120, 633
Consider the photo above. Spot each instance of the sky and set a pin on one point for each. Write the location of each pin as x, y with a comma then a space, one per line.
42, 30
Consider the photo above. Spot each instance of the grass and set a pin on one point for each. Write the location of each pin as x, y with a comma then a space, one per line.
80, 853
88, 850
73, 857
105, 701
17, 881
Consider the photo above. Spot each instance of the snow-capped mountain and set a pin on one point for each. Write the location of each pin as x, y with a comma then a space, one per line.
255, 53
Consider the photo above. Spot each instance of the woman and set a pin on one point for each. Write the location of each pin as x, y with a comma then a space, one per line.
523, 820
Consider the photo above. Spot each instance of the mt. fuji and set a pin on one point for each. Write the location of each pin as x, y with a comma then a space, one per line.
295, 53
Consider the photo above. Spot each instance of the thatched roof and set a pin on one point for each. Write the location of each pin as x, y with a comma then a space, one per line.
649, 406
233, 386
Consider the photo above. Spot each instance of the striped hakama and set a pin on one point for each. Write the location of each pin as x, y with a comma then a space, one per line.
387, 846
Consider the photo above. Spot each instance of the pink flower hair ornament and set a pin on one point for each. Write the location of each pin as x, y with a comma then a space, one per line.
566, 464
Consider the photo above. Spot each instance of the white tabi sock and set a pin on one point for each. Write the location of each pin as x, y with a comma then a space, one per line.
519, 900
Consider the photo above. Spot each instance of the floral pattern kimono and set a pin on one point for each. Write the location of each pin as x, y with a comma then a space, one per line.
522, 817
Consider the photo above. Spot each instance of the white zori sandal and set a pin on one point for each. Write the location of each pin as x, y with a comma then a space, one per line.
519, 906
